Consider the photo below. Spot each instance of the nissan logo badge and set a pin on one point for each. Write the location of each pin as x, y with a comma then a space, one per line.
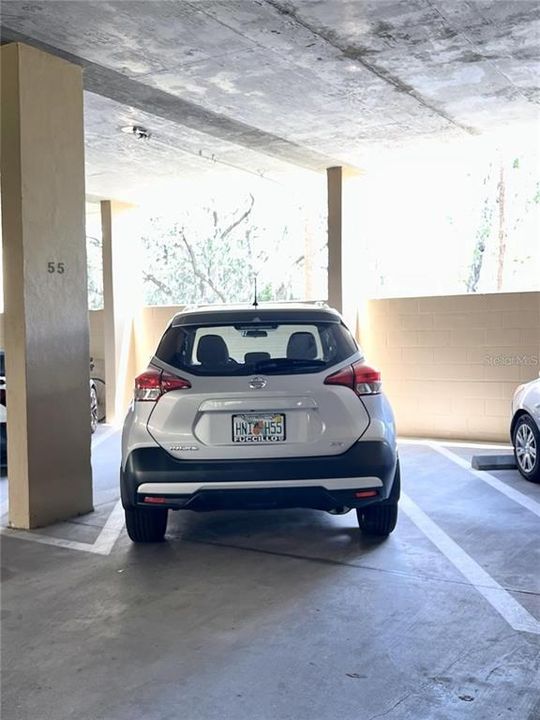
257, 383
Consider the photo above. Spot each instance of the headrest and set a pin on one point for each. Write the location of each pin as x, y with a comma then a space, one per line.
254, 357
212, 350
302, 346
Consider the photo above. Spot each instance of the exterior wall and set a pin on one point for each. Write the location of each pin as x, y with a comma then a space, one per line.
451, 364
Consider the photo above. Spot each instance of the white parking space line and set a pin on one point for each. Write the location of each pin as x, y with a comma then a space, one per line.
108, 430
102, 545
486, 477
454, 443
106, 539
48, 540
510, 610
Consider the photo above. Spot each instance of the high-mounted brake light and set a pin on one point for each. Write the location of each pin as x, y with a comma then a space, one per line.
153, 383
363, 379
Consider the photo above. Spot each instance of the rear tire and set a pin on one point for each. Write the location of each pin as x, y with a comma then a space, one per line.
146, 526
377, 519
381, 519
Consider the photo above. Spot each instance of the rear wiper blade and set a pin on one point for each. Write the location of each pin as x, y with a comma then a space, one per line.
284, 363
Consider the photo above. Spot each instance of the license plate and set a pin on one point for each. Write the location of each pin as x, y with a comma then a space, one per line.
256, 428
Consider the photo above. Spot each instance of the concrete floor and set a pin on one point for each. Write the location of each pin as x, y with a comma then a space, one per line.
283, 615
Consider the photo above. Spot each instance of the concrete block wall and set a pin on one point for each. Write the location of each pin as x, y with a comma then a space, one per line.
451, 364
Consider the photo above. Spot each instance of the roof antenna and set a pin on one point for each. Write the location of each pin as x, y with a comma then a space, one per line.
255, 303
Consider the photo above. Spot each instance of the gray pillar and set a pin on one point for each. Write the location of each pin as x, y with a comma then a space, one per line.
334, 177
46, 307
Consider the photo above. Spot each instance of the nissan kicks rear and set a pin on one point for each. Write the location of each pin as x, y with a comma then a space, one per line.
258, 407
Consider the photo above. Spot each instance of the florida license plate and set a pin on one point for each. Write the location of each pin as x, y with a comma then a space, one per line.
257, 428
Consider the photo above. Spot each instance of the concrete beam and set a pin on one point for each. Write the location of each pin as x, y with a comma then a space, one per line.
46, 307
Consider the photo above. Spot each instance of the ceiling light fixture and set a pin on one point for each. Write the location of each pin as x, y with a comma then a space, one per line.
140, 132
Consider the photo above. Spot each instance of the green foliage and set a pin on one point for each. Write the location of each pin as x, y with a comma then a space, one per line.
209, 256
211, 251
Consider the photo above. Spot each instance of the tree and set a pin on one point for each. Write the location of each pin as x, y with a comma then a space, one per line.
482, 237
207, 255
506, 233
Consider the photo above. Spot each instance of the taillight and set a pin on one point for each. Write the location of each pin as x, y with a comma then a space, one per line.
363, 379
367, 381
153, 383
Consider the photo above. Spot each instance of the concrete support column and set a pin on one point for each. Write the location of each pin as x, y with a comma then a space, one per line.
334, 177
45, 286
121, 301
345, 237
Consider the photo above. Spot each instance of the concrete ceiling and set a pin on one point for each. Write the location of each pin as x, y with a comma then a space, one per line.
281, 86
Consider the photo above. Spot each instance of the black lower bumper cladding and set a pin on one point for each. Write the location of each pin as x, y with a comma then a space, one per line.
155, 465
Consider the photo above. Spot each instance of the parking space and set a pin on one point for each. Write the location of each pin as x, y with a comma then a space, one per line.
254, 238
289, 614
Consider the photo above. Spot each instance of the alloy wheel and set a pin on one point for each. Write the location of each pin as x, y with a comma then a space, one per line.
526, 450
94, 410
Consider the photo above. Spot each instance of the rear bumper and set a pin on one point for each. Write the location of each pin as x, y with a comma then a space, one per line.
323, 483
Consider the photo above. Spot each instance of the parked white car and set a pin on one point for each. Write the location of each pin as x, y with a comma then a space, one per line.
525, 429
258, 407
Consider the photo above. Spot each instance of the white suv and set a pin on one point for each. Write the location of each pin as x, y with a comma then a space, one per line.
258, 407
525, 429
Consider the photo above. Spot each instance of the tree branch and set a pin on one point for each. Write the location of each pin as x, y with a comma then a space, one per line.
164, 288
241, 219
198, 272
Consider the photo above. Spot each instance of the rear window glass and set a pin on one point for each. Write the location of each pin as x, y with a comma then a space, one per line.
247, 348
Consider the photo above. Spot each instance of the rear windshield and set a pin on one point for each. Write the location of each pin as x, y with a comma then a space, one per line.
244, 349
